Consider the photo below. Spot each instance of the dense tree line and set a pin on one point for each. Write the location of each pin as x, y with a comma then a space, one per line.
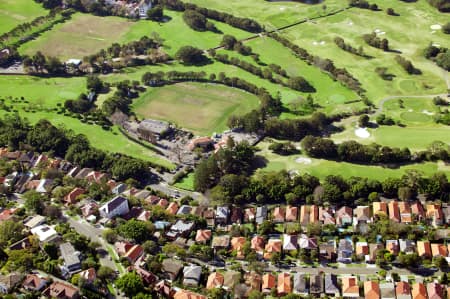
372, 40
241, 23
339, 41
98, 8
190, 55
339, 74
197, 21
363, 4
229, 42
441, 5
354, 152
41, 64
440, 55
18, 134
407, 65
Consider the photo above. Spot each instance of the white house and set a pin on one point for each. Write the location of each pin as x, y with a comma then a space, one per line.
45, 233
117, 206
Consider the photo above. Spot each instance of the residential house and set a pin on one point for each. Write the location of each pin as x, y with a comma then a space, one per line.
291, 214
446, 212
435, 291
387, 290
272, 246
290, 242
327, 252
117, 206
379, 208
305, 242
61, 290
316, 285
148, 278
83, 173
209, 215
362, 249
191, 275
230, 279
9, 282
35, 221
119, 189
220, 242
344, 216
424, 249
261, 214
257, 244
300, 284
268, 283
403, 290
185, 294
405, 212
172, 268
345, 251
164, 288
350, 287
371, 290
418, 211
326, 215
44, 186
407, 246
304, 215
135, 252
34, 282
89, 275
361, 219
439, 250
184, 210
172, 209
203, 236
331, 285
71, 258
205, 143
7, 214
278, 215
181, 228
284, 284
215, 280
435, 215
73, 195
249, 215
236, 215
237, 245
392, 246
89, 209
144, 216
418, 291
222, 215
45, 233
394, 211
254, 281
122, 247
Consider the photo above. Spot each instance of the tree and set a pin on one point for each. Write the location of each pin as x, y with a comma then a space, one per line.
105, 273
130, 283
363, 121
156, 13
300, 84
228, 42
136, 230
34, 202
94, 83
10, 232
190, 55
110, 236
446, 28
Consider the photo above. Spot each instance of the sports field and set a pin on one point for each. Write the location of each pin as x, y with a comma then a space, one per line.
16, 12
321, 168
272, 14
200, 107
86, 34
41, 97
408, 33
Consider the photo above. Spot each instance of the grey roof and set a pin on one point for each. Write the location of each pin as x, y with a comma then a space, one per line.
222, 212
114, 203
182, 226
172, 267
191, 275
316, 284
300, 284
407, 246
70, 256
331, 284
387, 290
35, 221
184, 210
154, 126
261, 214
83, 173
142, 194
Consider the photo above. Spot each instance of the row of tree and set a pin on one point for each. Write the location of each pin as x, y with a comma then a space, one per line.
339, 74
340, 42
407, 65
440, 55
354, 152
18, 134
363, 4
373, 40
241, 23
197, 21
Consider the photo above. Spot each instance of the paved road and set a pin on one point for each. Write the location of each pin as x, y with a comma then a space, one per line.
95, 234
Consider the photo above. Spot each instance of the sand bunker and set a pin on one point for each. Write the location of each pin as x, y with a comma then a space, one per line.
315, 43
302, 160
282, 8
362, 133
436, 45
382, 33
377, 31
436, 27
427, 112
322, 43
410, 110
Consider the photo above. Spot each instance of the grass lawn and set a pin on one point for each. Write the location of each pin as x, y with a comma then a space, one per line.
318, 38
15, 12
187, 183
272, 14
321, 168
43, 95
86, 34
199, 107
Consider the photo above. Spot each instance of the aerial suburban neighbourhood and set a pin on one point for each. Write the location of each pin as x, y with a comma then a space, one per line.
248, 149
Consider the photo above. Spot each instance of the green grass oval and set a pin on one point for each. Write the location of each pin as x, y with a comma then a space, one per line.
415, 117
